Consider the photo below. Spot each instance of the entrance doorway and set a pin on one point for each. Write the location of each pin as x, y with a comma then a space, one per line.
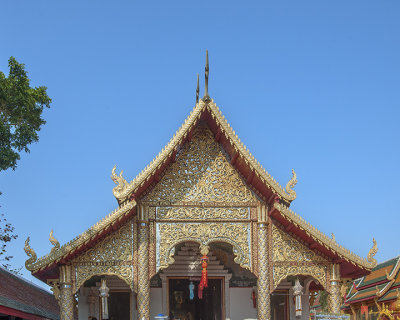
279, 305
184, 307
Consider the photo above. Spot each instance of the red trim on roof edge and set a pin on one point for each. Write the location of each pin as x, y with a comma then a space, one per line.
16, 313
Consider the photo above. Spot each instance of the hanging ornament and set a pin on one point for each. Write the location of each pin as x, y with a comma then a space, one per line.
104, 298
191, 290
204, 279
297, 292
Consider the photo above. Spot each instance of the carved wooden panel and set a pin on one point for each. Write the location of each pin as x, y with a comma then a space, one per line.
111, 256
170, 234
201, 173
290, 257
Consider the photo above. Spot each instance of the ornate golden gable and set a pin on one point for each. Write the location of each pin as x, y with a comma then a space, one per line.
290, 257
112, 255
201, 174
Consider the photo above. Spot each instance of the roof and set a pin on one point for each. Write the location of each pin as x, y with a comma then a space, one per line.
222, 129
383, 284
256, 177
320, 241
18, 294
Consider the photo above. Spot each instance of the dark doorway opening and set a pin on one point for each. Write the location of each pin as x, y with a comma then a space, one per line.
182, 307
279, 305
119, 306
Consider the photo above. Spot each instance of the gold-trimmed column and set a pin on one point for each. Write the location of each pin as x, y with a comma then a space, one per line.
334, 292
263, 290
66, 294
143, 295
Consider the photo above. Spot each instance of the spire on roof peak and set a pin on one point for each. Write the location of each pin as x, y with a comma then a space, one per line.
197, 90
206, 96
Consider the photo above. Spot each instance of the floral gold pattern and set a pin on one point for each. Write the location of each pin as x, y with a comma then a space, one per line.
196, 213
111, 256
201, 173
317, 271
263, 303
171, 234
286, 248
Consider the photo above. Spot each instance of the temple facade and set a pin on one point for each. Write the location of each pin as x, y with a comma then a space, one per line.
203, 232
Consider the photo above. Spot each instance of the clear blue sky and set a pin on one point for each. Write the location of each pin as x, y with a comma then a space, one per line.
309, 85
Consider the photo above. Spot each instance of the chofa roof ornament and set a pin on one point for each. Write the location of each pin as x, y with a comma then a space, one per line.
122, 184
372, 252
54, 242
31, 253
290, 185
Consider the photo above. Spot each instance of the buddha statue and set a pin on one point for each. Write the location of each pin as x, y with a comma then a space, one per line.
180, 312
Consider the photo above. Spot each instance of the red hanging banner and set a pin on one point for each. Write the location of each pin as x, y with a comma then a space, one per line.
204, 279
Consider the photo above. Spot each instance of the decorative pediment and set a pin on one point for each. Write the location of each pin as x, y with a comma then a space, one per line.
291, 257
201, 174
287, 248
112, 255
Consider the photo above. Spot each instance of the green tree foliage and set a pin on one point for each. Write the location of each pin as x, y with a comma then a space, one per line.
21, 108
6, 235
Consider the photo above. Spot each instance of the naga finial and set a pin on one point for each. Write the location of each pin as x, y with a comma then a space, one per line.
197, 90
121, 183
54, 241
31, 253
206, 96
290, 185
372, 252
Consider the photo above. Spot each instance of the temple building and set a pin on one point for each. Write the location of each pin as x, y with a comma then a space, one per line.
203, 232
376, 295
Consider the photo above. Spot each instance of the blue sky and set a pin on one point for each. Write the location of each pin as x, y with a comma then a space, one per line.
309, 85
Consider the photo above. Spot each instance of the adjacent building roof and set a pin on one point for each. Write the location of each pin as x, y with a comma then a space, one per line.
19, 297
382, 284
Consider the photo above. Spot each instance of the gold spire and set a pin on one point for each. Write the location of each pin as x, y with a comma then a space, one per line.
197, 90
206, 96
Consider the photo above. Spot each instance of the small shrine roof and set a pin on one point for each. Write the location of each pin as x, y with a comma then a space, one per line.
383, 284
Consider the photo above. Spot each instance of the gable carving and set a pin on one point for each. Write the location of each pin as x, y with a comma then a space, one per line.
287, 248
111, 256
291, 258
201, 173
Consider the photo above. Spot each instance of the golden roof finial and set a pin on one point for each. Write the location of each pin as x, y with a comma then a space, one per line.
206, 96
290, 185
197, 90
30, 253
372, 252
54, 241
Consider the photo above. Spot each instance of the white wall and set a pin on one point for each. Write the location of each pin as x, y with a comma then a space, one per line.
155, 302
241, 304
83, 305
